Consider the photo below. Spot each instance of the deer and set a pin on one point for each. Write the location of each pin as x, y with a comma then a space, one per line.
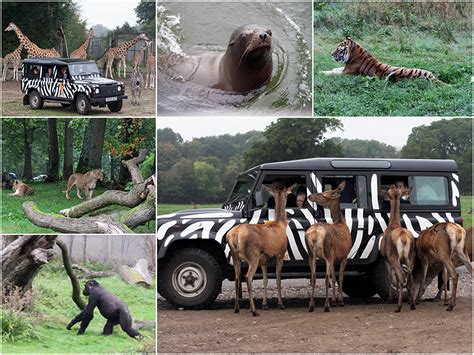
397, 247
330, 242
445, 244
438, 269
257, 244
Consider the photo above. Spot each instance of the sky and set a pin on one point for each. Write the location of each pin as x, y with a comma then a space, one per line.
109, 13
390, 130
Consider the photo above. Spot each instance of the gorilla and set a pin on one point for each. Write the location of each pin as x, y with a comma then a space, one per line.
110, 306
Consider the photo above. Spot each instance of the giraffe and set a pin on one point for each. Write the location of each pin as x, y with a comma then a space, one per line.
81, 52
120, 52
33, 50
150, 67
14, 58
137, 58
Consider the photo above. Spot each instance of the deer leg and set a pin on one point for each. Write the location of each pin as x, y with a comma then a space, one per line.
265, 285
448, 264
312, 266
424, 271
400, 276
342, 267
238, 284
279, 266
250, 272
333, 283
328, 273
464, 258
444, 277
389, 281
410, 286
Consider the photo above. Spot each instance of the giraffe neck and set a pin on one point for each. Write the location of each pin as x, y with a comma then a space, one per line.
18, 50
85, 45
25, 40
125, 46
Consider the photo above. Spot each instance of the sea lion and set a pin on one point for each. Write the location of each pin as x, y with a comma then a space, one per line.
246, 65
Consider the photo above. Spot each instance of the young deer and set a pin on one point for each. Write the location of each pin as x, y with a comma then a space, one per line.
398, 246
331, 242
257, 244
441, 243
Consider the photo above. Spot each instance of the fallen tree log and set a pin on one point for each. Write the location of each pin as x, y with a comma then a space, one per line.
89, 274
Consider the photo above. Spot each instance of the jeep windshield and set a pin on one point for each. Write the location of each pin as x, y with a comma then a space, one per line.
241, 191
83, 69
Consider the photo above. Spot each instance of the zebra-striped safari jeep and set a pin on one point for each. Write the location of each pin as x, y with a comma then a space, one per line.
70, 82
194, 258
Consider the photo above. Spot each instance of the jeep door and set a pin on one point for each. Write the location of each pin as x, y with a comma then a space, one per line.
261, 208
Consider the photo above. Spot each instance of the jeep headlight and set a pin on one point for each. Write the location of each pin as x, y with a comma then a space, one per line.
96, 91
119, 88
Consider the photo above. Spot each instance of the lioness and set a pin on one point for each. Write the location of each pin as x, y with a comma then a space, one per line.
84, 182
21, 189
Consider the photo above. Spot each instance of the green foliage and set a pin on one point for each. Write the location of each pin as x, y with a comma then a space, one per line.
166, 208
49, 198
207, 180
444, 139
147, 168
467, 203
146, 11
54, 308
290, 138
364, 148
40, 22
400, 35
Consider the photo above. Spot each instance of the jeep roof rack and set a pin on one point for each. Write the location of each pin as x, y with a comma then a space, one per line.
55, 61
361, 164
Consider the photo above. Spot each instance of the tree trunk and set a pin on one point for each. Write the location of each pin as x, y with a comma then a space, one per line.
92, 146
53, 151
23, 258
68, 149
28, 142
124, 174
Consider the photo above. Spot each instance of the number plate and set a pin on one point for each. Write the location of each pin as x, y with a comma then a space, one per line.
108, 99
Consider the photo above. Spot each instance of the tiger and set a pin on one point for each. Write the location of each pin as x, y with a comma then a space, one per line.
358, 61
86, 182
21, 189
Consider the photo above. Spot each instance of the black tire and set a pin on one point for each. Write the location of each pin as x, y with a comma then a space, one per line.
379, 281
82, 104
358, 287
204, 271
115, 106
35, 100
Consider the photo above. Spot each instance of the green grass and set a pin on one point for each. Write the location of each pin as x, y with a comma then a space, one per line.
350, 95
50, 199
54, 309
165, 208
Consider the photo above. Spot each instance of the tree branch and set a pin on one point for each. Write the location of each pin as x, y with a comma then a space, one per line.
132, 166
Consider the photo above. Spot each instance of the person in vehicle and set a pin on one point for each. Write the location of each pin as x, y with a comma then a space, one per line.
35, 71
63, 74
49, 73
301, 198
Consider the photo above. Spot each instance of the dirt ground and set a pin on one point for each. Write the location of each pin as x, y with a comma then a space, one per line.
361, 326
12, 104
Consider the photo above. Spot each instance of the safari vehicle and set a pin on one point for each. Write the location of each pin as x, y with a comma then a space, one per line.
70, 82
194, 259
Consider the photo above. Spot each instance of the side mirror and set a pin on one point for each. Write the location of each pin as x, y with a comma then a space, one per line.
258, 199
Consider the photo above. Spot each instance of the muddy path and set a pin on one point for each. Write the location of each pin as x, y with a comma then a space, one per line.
361, 326
12, 104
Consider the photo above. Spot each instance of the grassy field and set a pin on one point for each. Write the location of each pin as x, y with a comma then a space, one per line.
54, 308
411, 45
466, 206
49, 198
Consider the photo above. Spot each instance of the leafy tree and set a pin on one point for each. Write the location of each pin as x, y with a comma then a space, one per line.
444, 139
290, 138
209, 186
168, 135
146, 11
364, 148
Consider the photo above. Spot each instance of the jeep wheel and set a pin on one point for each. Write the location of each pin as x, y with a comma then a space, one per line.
115, 106
83, 105
379, 281
358, 287
190, 278
36, 102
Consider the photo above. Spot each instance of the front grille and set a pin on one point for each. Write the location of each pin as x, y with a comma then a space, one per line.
109, 90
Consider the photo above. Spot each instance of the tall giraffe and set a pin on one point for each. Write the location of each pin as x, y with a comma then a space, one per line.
81, 52
14, 58
150, 67
137, 58
33, 50
120, 52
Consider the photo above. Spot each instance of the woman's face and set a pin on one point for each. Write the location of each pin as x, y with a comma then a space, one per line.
300, 198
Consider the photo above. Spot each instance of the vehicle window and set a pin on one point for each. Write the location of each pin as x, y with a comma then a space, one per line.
355, 193
296, 199
240, 193
48, 72
83, 69
426, 190
32, 71
430, 190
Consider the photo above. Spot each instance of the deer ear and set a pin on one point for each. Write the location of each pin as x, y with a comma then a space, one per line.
336, 194
269, 190
383, 192
341, 186
290, 189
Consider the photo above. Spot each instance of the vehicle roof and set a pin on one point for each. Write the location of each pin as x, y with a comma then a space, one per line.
55, 61
433, 165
